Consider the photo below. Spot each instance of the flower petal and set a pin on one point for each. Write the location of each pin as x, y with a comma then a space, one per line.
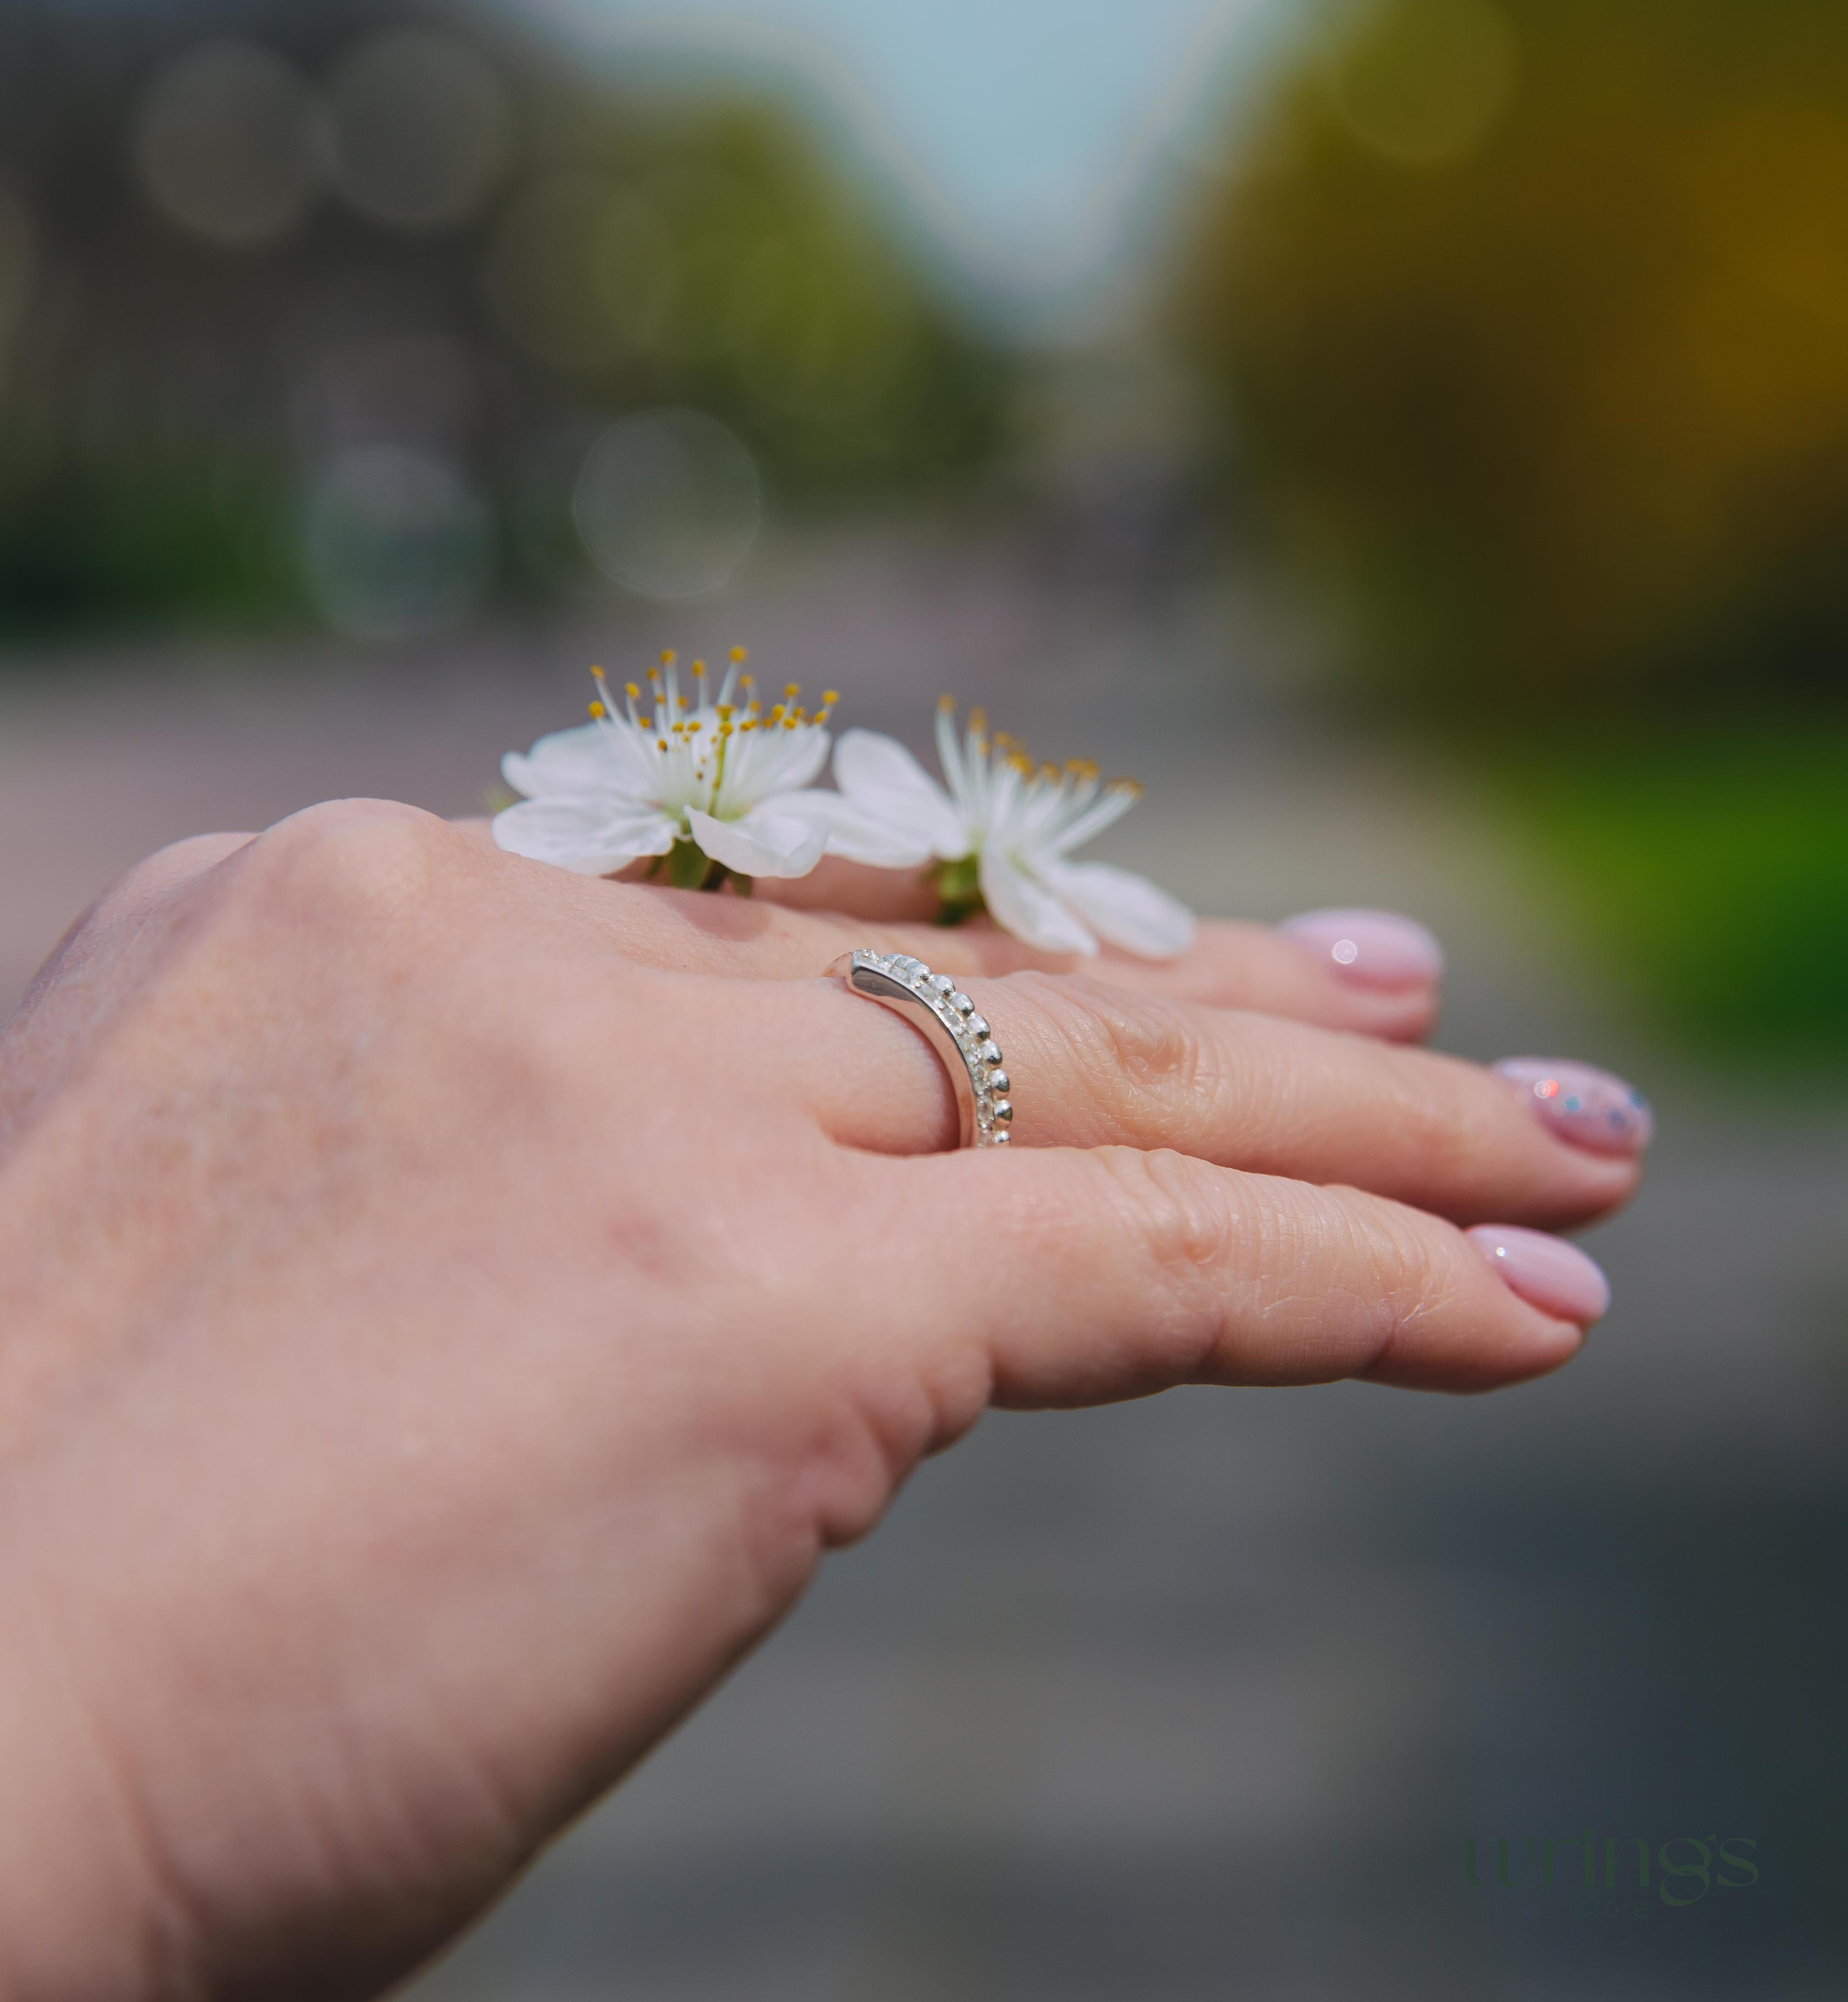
1034, 915
591, 836
856, 835
575, 763
887, 787
776, 838
1126, 910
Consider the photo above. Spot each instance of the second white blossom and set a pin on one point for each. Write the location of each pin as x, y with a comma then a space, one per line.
1002, 829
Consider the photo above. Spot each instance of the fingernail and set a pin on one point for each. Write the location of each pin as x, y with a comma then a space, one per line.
1371, 948
1546, 1272
1589, 1107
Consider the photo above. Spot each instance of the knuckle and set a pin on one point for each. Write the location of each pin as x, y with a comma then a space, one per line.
1127, 1050
1176, 1206
351, 860
1403, 1264
1451, 1121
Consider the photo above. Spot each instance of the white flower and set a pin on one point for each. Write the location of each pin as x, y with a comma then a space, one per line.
709, 774
1004, 828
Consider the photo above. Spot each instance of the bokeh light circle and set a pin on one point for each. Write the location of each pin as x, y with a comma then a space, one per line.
395, 542
422, 127
667, 503
229, 143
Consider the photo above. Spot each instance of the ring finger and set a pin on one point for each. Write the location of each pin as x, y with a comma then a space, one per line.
1089, 1066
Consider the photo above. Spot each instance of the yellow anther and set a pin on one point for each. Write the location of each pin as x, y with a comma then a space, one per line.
700, 667
597, 674
747, 681
597, 710
634, 693
830, 696
668, 657
654, 677
661, 747
978, 723
792, 690
1132, 786
740, 655
726, 711
947, 704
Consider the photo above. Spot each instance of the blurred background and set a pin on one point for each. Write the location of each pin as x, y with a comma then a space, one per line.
1413, 436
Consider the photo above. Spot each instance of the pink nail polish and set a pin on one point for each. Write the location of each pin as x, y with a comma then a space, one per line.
1589, 1107
1546, 1272
1371, 948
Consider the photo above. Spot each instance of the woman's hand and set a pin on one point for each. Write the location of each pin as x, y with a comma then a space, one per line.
450, 1306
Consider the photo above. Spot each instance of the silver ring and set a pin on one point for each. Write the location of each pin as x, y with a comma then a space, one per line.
933, 1003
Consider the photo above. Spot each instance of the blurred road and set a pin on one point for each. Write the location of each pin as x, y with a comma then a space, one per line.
1199, 1698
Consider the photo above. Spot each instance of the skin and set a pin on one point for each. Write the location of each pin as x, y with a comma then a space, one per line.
452, 1306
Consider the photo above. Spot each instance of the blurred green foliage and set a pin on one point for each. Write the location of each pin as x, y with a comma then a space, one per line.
1712, 867
203, 316
146, 536
1533, 315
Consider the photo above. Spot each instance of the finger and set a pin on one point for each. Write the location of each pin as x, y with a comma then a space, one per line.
1089, 1275
1233, 965
853, 889
1375, 967
1088, 1066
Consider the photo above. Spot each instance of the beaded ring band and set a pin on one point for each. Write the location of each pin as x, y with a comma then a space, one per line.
932, 1003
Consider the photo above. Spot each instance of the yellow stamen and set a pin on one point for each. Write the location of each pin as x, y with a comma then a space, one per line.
1132, 786
830, 696
792, 690
699, 667
634, 693
740, 655
746, 682
597, 710
669, 657
947, 704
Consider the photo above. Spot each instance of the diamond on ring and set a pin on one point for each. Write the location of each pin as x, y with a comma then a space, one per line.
959, 1036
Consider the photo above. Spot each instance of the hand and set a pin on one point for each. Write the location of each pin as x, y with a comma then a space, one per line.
450, 1307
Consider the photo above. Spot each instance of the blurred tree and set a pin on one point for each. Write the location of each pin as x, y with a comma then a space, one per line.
1533, 315
322, 303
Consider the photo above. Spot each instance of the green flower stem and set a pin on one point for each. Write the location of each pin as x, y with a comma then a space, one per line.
688, 866
959, 890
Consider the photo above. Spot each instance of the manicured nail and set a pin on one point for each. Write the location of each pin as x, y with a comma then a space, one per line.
1371, 948
1546, 1272
1589, 1107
